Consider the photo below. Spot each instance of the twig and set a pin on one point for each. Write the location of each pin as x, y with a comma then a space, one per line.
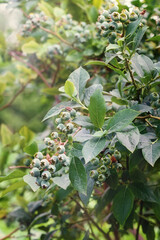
131, 74
15, 96
139, 221
149, 123
13, 167
148, 116
32, 67
10, 234
59, 37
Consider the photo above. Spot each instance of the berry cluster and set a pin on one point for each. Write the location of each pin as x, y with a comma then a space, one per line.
54, 50
45, 167
104, 165
111, 23
33, 22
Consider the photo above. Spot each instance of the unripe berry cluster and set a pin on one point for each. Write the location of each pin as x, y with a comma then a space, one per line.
104, 165
33, 22
54, 50
45, 167
111, 23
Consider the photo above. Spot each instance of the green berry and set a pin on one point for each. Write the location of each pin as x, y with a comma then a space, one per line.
51, 168
36, 162
54, 160
45, 184
133, 16
111, 149
120, 26
73, 113
62, 157
46, 175
58, 120
54, 135
105, 33
51, 143
101, 178
93, 174
117, 154
112, 26
38, 181
35, 172
115, 16
157, 103
107, 161
118, 165
46, 140
65, 116
60, 127
39, 155
44, 163
95, 161
113, 9
123, 17
105, 13
103, 169
101, 19
105, 26
69, 127
154, 96
60, 149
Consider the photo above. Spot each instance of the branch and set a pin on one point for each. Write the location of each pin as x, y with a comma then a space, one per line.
55, 74
32, 67
131, 74
148, 116
10, 234
139, 221
59, 37
15, 96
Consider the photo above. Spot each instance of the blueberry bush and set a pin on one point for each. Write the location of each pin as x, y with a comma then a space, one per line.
92, 170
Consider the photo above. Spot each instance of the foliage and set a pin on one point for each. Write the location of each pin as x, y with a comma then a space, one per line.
93, 173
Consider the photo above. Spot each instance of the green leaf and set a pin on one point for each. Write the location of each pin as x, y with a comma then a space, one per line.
79, 78
27, 134
58, 108
97, 3
12, 175
129, 137
46, 8
89, 92
119, 101
31, 47
6, 135
151, 152
31, 149
97, 108
69, 88
85, 198
94, 62
13, 187
111, 47
83, 121
123, 204
62, 181
154, 39
139, 35
77, 175
121, 120
132, 27
93, 147
31, 181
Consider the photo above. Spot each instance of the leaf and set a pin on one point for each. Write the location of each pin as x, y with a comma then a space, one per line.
119, 101
151, 152
123, 204
93, 147
6, 135
82, 136
90, 186
121, 120
129, 137
142, 108
46, 8
31, 181
31, 149
139, 35
89, 92
132, 27
143, 192
111, 47
12, 175
154, 39
77, 175
94, 62
58, 108
31, 47
83, 121
13, 187
69, 88
27, 134
79, 78
97, 3
62, 181
97, 108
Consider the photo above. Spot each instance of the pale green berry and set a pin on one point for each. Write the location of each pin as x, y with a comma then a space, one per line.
35, 172
46, 140
46, 175
60, 149
93, 174
44, 163
54, 135
51, 168
36, 162
62, 157
45, 184
39, 155
54, 160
